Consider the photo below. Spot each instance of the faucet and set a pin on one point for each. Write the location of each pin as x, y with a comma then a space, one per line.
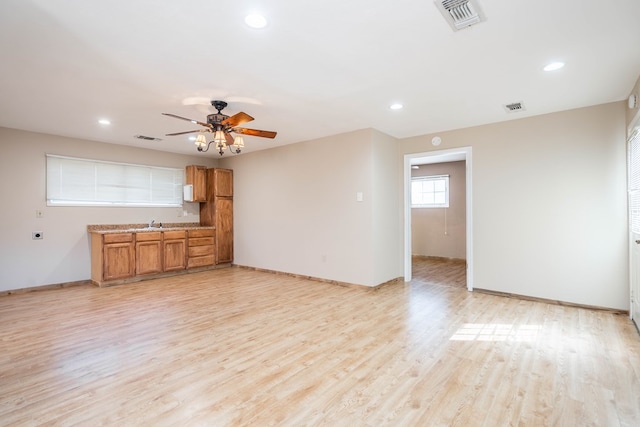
151, 223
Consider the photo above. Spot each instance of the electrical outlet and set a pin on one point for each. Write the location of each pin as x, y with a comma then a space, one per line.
37, 235
39, 213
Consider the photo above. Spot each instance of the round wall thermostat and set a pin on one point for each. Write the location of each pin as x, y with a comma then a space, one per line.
633, 101
436, 140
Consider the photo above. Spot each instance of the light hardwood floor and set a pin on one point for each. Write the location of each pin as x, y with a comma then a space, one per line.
235, 347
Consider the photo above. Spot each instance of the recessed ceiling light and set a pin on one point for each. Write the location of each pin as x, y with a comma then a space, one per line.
255, 21
192, 138
396, 106
104, 122
554, 66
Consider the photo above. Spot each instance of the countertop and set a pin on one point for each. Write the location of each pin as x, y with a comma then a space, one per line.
143, 228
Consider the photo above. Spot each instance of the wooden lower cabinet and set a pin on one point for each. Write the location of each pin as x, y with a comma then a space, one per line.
175, 250
116, 257
113, 257
148, 253
201, 248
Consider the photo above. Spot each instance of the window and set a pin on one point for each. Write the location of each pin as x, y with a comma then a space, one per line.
83, 182
430, 191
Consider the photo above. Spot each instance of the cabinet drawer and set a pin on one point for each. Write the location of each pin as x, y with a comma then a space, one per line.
148, 236
180, 234
201, 241
118, 237
201, 233
200, 261
195, 251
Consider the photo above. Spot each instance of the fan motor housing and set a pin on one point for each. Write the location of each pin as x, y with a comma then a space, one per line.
216, 119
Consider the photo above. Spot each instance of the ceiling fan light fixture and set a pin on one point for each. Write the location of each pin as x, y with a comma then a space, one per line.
219, 137
221, 146
222, 126
201, 141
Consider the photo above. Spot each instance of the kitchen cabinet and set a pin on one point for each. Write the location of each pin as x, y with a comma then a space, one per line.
112, 257
218, 211
121, 257
197, 177
224, 229
222, 182
201, 248
175, 250
148, 253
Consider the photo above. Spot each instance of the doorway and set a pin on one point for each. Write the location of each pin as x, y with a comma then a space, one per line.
633, 191
440, 156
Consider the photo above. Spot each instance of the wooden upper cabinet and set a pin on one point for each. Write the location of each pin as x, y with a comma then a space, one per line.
223, 182
197, 177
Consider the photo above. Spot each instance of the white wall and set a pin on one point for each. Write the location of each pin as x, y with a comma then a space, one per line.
63, 255
296, 208
441, 232
549, 204
387, 227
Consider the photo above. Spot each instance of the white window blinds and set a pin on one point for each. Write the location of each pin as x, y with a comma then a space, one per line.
633, 168
82, 182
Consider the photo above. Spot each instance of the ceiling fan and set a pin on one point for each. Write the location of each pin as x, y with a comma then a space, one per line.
222, 126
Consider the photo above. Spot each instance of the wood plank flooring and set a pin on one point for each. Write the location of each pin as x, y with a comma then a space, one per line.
235, 347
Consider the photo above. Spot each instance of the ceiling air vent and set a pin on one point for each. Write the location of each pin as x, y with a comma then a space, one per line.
460, 13
514, 107
147, 138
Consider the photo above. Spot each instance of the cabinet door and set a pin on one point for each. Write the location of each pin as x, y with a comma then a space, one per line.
224, 230
197, 177
118, 261
223, 182
175, 254
149, 257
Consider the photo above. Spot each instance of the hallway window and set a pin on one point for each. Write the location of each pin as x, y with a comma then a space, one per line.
430, 191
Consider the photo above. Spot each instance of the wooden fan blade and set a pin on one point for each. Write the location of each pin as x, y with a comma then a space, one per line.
189, 120
255, 132
184, 133
237, 119
229, 138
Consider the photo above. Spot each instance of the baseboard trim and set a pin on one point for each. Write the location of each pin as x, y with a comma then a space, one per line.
439, 258
113, 282
551, 301
319, 279
45, 287
146, 277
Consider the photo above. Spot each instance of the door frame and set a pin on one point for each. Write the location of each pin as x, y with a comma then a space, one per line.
635, 123
439, 156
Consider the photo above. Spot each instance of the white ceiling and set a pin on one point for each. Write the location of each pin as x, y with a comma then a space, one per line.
319, 68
